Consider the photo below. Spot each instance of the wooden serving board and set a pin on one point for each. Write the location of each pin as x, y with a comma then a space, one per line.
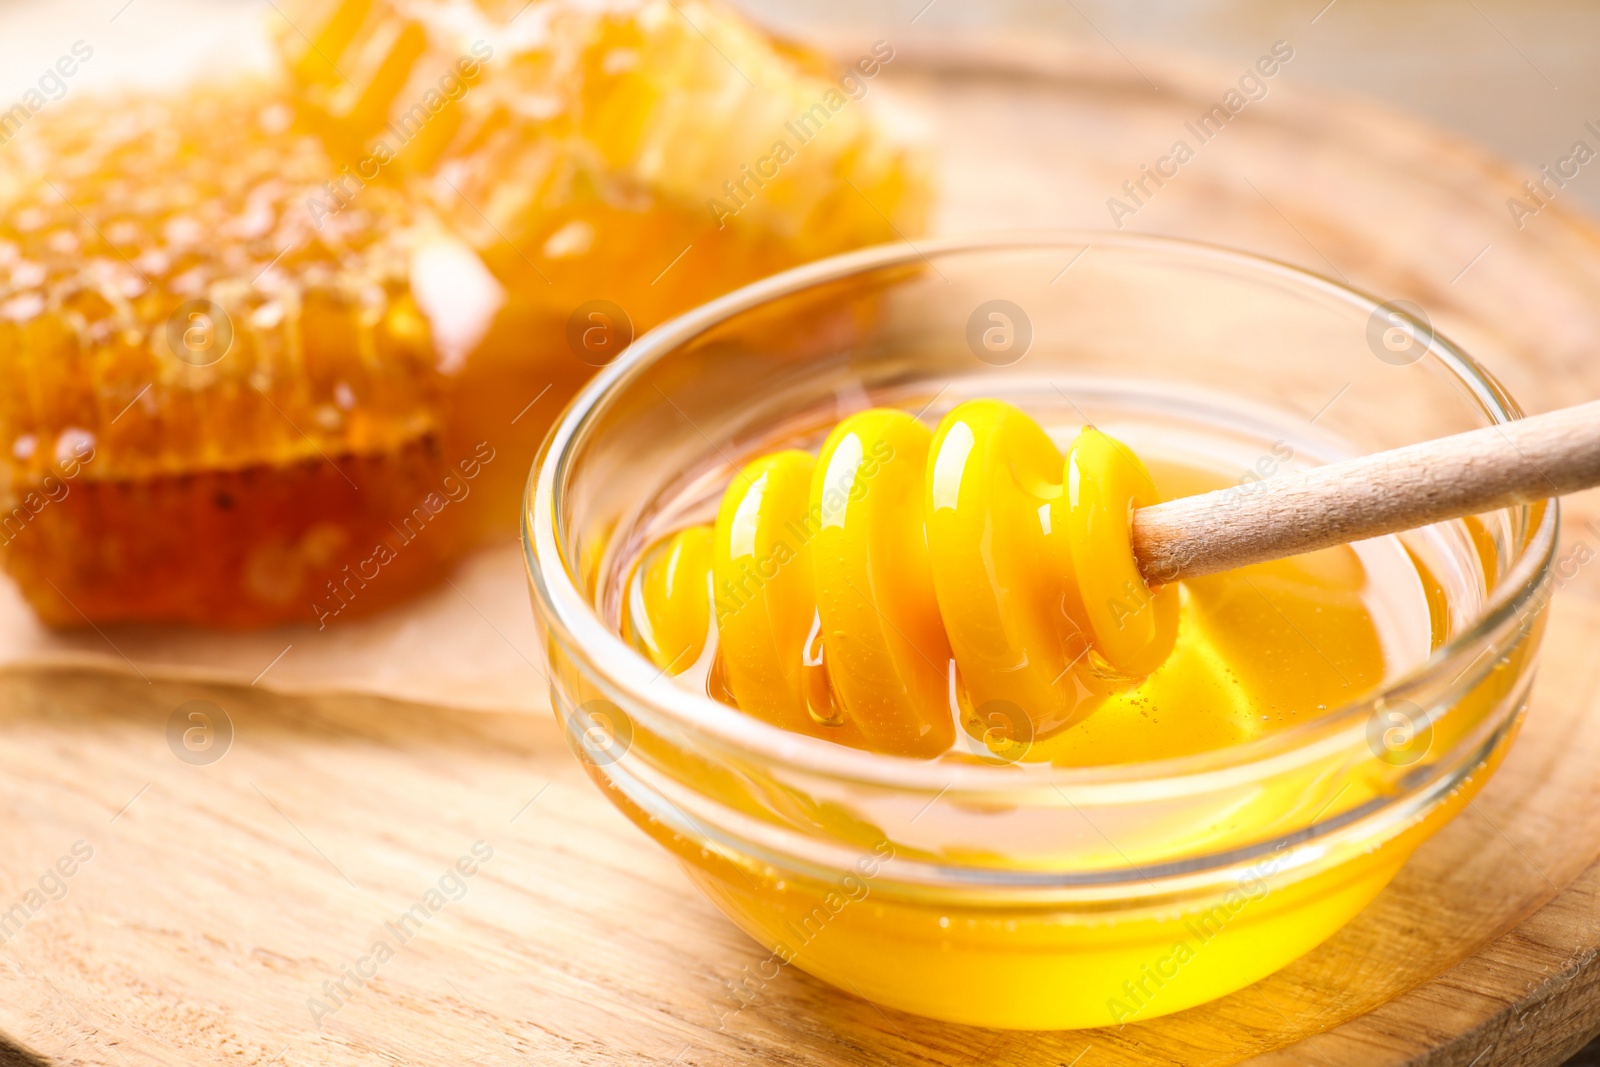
208, 903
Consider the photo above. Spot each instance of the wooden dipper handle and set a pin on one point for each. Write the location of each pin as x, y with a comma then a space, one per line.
1511, 463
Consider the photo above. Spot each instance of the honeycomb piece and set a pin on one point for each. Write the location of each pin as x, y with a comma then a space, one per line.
247, 330
659, 153
622, 156
536, 118
217, 401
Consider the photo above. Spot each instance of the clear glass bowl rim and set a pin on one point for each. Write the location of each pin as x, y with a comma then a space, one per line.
625, 677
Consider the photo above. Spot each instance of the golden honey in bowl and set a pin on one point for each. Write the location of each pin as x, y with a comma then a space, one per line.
1007, 624
887, 683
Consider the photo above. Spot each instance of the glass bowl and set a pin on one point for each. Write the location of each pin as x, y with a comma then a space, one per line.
1028, 895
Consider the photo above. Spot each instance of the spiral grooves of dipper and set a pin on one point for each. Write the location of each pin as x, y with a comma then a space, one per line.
881, 592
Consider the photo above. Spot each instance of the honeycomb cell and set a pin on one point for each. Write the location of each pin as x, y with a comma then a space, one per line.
217, 399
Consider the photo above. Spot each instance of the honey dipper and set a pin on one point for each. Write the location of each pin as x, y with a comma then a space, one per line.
1518, 462
870, 591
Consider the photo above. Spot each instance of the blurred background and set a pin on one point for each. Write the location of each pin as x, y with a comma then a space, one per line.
1518, 77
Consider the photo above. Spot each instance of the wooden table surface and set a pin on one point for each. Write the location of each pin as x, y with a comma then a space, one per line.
215, 912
